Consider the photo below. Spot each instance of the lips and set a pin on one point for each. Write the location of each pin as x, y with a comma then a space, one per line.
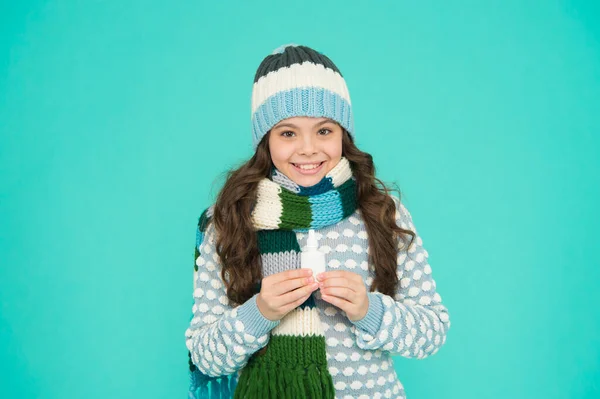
308, 171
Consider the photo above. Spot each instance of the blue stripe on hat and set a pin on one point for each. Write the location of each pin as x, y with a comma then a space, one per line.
307, 101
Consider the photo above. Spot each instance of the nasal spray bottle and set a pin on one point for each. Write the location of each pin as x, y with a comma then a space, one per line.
311, 257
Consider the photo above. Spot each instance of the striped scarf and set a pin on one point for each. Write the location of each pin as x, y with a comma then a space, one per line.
293, 364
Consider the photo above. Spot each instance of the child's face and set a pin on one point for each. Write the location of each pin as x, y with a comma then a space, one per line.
306, 140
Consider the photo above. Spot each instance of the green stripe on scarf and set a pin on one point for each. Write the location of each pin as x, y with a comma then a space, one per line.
275, 241
271, 377
348, 194
296, 210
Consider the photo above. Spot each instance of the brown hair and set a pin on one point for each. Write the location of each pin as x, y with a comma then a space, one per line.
236, 242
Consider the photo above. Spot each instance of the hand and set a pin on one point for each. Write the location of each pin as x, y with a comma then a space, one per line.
282, 292
347, 291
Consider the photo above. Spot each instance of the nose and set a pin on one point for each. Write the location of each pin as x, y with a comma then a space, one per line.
307, 145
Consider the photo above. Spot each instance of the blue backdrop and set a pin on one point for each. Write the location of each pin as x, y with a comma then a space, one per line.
119, 119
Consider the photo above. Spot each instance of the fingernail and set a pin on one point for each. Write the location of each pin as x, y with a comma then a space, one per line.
310, 280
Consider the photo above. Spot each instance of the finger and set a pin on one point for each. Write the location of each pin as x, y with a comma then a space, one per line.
344, 293
339, 273
289, 274
295, 304
336, 301
297, 294
341, 282
289, 285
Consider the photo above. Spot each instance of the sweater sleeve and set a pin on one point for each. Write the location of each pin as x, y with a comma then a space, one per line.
413, 323
221, 339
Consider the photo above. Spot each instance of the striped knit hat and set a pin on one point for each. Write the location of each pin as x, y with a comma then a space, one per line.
296, 80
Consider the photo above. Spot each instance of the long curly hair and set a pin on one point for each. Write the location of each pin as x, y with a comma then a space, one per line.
236, 241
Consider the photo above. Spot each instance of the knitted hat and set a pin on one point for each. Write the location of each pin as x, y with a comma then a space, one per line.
296, 80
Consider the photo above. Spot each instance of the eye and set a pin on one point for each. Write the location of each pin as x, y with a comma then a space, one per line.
328, 130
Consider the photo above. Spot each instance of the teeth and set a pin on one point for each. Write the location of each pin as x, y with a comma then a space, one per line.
308, 167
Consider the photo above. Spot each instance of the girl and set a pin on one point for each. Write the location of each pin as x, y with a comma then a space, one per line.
263, 325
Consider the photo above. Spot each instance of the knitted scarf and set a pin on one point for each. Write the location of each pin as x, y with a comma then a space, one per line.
293, 364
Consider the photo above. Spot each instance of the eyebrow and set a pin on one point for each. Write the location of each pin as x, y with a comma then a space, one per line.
294, 126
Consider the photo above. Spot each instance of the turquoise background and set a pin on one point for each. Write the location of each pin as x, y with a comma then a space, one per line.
119, 119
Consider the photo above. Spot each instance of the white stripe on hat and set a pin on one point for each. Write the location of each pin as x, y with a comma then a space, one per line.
306, 74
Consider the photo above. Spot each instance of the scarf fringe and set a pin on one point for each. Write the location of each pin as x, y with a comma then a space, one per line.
266, 382
205, 387
291, 367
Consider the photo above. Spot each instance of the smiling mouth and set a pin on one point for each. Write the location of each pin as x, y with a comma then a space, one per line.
308, 167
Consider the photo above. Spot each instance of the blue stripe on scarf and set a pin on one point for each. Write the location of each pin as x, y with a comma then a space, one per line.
206, 387
322, 211
324, 185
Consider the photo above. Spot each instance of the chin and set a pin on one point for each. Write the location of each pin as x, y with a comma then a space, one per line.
308, 182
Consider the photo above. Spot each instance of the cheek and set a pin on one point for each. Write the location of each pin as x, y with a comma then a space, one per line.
333, 149
280, 155
279, 164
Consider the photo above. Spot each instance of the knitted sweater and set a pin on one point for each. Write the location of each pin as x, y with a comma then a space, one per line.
412, 324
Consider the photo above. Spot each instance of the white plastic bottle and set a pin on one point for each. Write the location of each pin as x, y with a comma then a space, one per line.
311, 257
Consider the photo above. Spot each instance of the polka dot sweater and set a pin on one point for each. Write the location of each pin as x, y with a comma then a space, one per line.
413, 323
